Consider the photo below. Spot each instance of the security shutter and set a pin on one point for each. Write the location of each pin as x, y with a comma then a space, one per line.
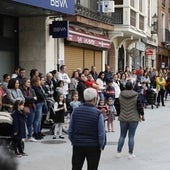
88, 58
98, 61
77, 57
73, 58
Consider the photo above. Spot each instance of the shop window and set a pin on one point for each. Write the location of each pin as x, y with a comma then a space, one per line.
8, 27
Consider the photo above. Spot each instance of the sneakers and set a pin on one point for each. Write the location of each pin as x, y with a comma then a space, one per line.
118, 155
131, 156
31, 139
61, 137
50, 121
18, 155
24, 154
54, 137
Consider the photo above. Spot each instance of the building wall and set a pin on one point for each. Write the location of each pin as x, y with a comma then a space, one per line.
163, 55
165, 11
32, 43
37, 48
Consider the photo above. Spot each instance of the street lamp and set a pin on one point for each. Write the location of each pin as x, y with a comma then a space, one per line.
154, 24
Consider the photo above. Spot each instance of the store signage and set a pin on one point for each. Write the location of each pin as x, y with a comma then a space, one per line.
63, 6
89, 38
149, 51
59, 29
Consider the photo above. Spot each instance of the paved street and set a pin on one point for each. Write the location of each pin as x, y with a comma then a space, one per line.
152, 148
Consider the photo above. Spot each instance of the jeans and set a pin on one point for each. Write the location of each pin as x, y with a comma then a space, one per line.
30, 120
91, 154
101, 96
125, 127
166, 93
38, 118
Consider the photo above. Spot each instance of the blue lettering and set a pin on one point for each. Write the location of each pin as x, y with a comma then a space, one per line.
59, 3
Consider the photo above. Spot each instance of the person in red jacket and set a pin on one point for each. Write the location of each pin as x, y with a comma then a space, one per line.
91, 82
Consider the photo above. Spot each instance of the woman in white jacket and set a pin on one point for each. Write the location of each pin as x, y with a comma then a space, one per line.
102, 85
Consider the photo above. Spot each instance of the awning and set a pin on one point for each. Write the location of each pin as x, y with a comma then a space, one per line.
90, 38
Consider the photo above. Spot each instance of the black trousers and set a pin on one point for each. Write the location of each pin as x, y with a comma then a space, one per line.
18, 145
160, 97
90, 153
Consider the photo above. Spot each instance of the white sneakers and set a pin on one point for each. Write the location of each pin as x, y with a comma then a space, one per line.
130, 156
31, 139
118, 155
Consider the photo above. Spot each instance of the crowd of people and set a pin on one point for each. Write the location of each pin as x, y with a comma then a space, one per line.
57, 93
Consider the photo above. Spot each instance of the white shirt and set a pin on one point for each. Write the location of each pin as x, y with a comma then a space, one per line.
117, 89
66, 79
101, 83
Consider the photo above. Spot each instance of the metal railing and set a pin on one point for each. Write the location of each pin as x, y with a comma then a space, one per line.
93, 14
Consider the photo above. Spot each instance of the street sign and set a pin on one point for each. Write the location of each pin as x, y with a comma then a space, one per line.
149, 51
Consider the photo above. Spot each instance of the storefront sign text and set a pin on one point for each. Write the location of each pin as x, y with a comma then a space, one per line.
63, 6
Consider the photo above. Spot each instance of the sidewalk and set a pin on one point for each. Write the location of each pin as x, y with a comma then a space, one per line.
152, 144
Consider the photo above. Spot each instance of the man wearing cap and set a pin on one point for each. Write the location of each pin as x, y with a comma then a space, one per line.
87, 132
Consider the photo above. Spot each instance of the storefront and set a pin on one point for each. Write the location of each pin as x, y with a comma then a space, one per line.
8, 44
85, 49
23, 32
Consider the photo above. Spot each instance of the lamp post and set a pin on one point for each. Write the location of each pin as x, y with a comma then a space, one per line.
154, 24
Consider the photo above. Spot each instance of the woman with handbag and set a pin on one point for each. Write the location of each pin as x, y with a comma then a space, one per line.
29, 107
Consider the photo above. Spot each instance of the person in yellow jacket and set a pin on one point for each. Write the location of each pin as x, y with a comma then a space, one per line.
160, 85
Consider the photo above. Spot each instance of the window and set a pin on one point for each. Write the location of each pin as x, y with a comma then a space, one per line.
149, 13
140, 6
118, 16
141, 22
118, 2
133, 18
94, 4
163, 27
132, 3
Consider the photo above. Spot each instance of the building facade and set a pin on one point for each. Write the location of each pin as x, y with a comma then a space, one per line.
132, 35
126, 37
163, 52
26, 41
24, 33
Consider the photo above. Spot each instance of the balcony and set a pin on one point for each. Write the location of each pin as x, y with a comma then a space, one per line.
166, 40
93, 14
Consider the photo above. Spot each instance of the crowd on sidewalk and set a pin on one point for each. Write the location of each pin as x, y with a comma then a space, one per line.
57, 93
